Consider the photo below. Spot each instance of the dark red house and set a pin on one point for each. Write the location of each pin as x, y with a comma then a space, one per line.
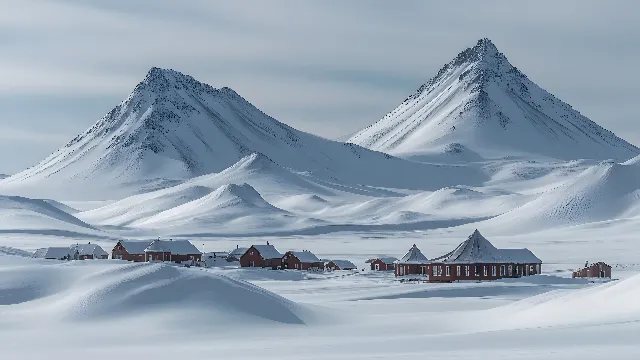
301, 260
383, 263
474, 259
156, 250
264, 256
339, 265
597, 270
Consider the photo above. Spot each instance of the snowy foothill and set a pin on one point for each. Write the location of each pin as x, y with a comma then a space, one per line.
479, 146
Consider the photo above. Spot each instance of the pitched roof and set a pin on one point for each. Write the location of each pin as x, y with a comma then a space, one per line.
182, 247
413, 256
88, 249
305, 256
520, 256
51, 253
267, 251
237, 252
157, 246
135, 246
384, 259
476, 249
344, 264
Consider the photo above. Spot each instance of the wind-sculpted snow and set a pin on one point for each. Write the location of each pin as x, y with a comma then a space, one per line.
481, 101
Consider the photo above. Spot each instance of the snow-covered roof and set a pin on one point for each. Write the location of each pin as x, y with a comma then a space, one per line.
520, 256
475, 250
344, 264
384, 259
135, 246
414, 256
88, 249
305, 256
237, 252
52, 253
157, 246
216, 254
182, 247
268, 251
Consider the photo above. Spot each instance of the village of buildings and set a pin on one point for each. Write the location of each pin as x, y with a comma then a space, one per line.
474, 259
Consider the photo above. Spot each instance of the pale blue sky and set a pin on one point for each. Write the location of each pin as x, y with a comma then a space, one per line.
327, 67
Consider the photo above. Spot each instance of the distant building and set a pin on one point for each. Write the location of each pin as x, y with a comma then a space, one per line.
597, 270
236, 253
339, 265
156, 250
87, 251
53, 253
215, 258
383, 263
263, 256
301, 260
474, 259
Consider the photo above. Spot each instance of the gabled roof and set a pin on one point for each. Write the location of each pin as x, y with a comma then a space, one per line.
135, 246
88, 249
157, 246
182, 247
52, 253
413, 256
520, 256
304, 256
344, 264
237, 252
385, 259
267, 251
475, 250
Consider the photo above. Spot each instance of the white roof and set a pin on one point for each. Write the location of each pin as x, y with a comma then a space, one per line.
520, 256
182, 247
475, 250
268, 251
216, 254
414, 256
305, 256
88, 249
344, 264
51, 253
237, 252
157, 246
384, 259
135, 246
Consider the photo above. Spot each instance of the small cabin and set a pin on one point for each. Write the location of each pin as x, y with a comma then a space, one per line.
332, 265
385, 263
264, 256
301, 260
595, 270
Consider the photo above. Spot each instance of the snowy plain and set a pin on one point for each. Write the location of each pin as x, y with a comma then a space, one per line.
179, 159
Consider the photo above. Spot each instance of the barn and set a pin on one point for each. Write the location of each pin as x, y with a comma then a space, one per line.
385, 263
596, 270
87, 251
264, 256
52, 253
339, 265
301, 260
412, 263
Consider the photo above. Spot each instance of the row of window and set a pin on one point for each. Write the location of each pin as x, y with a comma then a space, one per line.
504, 270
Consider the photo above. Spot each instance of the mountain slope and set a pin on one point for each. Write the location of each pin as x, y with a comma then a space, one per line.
172, 128
481, 101
19, 214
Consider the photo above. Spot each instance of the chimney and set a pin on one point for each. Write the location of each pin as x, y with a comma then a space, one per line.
267, 243
237, 246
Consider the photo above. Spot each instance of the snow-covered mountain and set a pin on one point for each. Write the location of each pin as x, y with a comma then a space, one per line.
173, 127
479, 100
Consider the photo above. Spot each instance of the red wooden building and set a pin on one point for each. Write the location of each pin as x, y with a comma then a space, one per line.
596, 270
339, 265
301, 260
474, 259
386, 263
156, 250
264, 256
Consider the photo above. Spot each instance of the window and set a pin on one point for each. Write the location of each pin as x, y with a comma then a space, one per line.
485, 270
510, 270
477, 270
423, 270
439, 267
538, 269
251, 253
493, 271
377, 267
501, 270
458, 270
466, 270
448, 270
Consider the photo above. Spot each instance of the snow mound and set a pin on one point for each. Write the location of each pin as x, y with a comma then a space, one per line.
604, 191
7, 250
84, 291
446, 154
20, 213
481, 101
574, 307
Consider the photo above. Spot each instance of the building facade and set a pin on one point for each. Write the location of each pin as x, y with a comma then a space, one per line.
262, 256
596, 270
301, 260
178, 251
382, 264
